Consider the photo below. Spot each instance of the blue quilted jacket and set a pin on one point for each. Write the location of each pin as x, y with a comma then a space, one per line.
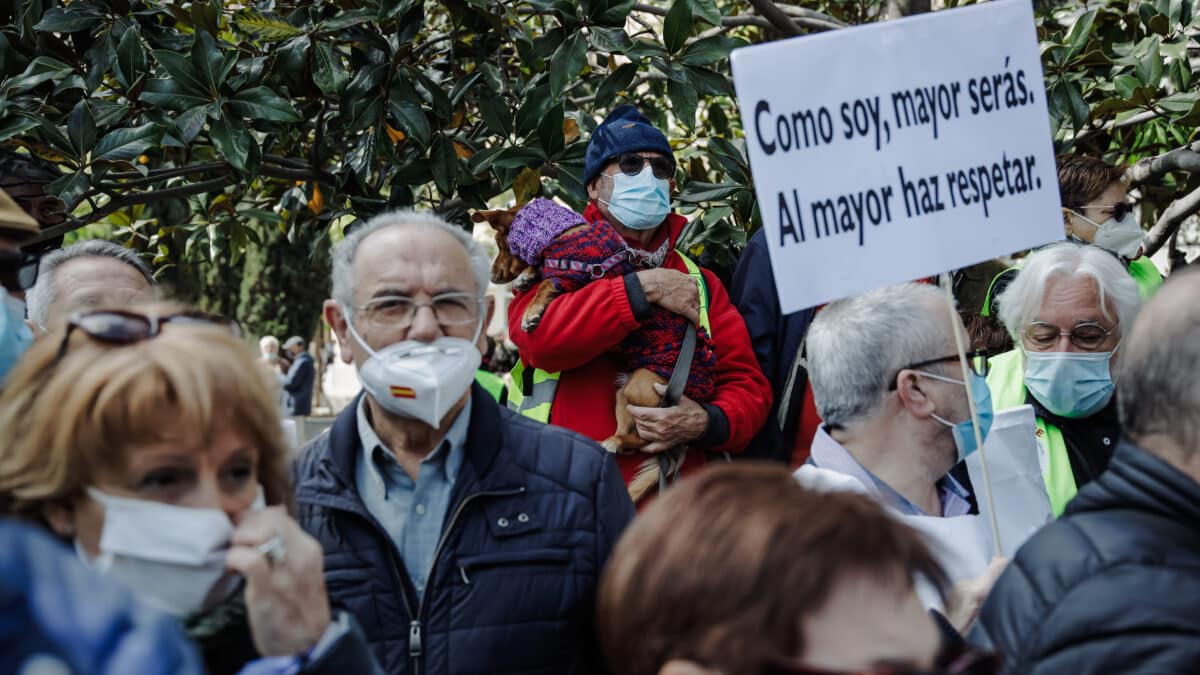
535, 512
58, 614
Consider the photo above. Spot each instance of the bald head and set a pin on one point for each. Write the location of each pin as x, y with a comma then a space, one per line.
1158, 390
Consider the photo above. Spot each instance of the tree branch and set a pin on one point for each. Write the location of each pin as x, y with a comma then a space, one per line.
1170, 220
779, 20
1186, 158
792, 15
1132, 121
135, 179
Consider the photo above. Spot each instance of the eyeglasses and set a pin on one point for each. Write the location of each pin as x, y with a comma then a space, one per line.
977, 360
398, 311
1087, 335
120, 327
964, 661
18, 270
1119, 210
631, 164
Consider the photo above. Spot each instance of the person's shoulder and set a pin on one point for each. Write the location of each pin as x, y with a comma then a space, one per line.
565, 457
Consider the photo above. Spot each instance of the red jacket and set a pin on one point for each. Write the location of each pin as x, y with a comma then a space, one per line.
579, 328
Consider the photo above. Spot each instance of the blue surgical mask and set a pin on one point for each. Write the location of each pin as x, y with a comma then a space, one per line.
1070, 384
640, 202
964, 432
15, 336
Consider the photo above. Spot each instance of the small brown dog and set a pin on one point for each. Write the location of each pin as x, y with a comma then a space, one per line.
556, 245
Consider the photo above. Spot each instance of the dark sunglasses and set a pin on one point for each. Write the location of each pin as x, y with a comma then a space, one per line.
977, 360
18, 270
964, 661
119, 327
631, 164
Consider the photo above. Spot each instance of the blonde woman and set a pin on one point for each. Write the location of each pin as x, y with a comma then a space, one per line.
150, 441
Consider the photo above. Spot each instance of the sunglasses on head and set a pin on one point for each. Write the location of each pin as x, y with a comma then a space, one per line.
631, 164
119, 327
18, 270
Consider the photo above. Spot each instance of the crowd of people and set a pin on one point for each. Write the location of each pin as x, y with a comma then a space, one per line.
156, 520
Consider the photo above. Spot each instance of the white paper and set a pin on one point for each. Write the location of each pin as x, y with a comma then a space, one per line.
799, 98
1018, 488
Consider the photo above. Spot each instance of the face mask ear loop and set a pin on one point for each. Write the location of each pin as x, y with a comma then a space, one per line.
350, 325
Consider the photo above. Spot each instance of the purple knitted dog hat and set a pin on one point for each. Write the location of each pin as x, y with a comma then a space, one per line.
537, 224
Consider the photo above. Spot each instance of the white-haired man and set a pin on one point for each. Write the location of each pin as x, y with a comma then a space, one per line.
1066, 311
466, 538
89, 274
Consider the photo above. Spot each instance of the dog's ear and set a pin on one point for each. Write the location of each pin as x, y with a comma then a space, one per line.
478, 217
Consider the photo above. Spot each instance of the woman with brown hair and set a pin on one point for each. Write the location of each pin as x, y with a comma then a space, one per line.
741, 571
151, 442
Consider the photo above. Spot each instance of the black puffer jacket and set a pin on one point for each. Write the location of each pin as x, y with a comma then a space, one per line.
1113, 586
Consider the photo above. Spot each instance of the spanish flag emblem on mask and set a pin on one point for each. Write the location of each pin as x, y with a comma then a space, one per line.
403, 392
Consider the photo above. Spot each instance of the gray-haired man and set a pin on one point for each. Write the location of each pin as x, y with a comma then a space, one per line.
94, 273
465, 538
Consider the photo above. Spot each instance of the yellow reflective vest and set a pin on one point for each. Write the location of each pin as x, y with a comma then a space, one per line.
532, 393
1006, 379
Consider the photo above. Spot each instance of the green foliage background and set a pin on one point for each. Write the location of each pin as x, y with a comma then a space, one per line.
230, 142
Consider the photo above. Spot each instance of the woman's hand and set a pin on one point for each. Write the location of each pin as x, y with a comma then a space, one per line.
285, 591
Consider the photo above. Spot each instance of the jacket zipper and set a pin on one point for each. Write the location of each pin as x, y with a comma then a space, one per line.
415, 647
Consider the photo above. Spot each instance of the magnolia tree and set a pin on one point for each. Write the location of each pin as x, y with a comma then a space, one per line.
230, 141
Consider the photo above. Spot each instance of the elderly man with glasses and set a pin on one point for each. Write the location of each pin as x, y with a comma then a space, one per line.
1066, 311
464, 537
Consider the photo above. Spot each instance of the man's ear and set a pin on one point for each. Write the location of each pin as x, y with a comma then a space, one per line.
593, 189
909, 387
337, 321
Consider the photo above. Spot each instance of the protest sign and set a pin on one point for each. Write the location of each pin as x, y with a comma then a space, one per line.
898, 150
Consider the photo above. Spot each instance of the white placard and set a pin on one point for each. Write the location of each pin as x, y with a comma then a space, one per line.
898, 150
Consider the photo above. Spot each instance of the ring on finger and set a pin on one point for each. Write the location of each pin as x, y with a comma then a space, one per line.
273, 549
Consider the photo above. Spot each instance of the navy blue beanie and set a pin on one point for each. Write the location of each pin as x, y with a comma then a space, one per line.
624, 130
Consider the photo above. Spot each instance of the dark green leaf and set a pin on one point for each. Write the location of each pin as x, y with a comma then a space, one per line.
643, 48
39, 70
550, 130
168, 94
123, 145
444, 165
1125, 85
15, 124
461, 87
567, 62
1079, 107
345, 20
1160, 24
516, 158
496, 114
683, 103
620, 80
131, 58
708, 82
1149, 69
677, 25
328, 72
180, 69
81, 127
232, 140
710, 50
616, 13
77, 17
412, 121
262, 103
609, 39
191, 121
55, 136
493, 77
537, 102
69, 187
696, 191
206, 15
1077, 39
707, 11
209, 63
439, 102
266, 28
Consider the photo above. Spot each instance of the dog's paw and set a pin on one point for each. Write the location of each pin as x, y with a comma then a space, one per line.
529, 323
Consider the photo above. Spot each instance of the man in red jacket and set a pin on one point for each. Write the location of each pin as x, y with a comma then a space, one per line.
629, 172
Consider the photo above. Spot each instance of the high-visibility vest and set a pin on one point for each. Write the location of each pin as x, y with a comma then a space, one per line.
533, 390
1006, 379
493, 385
1144, 272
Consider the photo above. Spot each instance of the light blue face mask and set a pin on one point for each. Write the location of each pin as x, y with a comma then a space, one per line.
15, 336
1070, 384
640, 202
964, 432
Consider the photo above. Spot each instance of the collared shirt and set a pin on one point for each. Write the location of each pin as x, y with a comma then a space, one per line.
412, 512
827, 453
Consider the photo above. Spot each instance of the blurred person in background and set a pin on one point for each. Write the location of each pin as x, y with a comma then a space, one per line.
86, 275
300, 378
18, 273
169, 478
741, 571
